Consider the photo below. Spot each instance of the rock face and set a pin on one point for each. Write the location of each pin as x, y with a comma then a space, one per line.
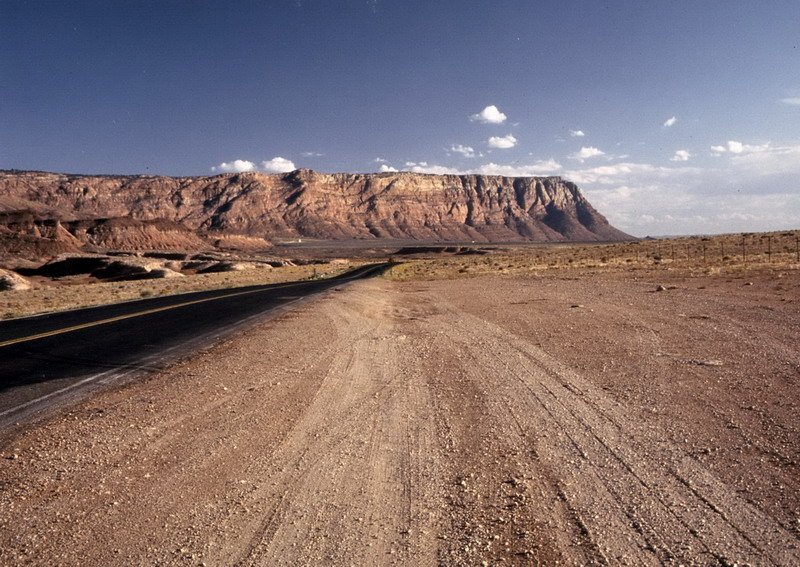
10, 281
305, 203
132, 234
29, 234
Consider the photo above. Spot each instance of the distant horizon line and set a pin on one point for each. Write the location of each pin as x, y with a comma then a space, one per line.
299, 169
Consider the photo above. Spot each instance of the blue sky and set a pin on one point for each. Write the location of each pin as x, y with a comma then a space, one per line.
689, 111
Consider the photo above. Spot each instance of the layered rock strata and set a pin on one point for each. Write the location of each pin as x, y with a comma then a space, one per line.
309, 204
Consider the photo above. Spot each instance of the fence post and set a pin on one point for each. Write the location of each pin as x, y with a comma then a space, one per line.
744, 251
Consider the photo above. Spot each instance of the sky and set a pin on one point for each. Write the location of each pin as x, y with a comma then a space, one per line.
674, 117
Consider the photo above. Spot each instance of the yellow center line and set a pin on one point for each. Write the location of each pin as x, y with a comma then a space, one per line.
137, 314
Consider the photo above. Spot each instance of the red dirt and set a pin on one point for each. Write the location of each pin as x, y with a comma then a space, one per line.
572, 418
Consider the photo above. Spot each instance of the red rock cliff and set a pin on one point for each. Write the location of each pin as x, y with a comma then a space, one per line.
305, 203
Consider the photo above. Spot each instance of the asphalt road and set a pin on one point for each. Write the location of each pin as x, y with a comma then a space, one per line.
49, 359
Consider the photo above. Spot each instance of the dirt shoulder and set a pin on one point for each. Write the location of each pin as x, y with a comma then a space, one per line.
74, 292
520, 420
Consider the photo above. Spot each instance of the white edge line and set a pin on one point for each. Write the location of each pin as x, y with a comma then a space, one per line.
62, 390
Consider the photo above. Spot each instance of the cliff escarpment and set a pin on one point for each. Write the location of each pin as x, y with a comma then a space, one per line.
309, 204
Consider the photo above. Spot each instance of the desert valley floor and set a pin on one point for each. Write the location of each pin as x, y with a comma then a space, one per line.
491, 420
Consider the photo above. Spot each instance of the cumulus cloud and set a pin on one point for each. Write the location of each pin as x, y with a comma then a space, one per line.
425, 167
465, 151
587, 152
577, 133
670, 122
502, 142
735, 147
616, 173
387, 168
732, 146
380, 160
236, 166
752, 190
537, 168
278, 165
489, 115
791, 101
769, 160
541, 167
681, 155
275, 165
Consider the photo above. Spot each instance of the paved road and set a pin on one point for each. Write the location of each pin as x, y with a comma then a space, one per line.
50, 358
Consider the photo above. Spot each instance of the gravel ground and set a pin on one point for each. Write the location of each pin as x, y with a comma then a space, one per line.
571, 418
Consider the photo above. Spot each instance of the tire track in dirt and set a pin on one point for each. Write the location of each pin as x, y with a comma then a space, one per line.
384, 424
350, 464
637, 507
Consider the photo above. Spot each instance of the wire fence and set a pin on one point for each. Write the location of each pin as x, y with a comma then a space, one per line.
740, 249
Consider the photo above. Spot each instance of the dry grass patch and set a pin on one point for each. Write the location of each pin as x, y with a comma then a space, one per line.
723, 254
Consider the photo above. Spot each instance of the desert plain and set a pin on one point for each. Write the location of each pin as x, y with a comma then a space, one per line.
631, 404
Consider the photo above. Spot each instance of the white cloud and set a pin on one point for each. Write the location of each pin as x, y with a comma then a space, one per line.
387, 168
312, 154
537, 168
502, 142
489, 115
278, 165
541, 167
767, 160
613, 174
465, 151
753, 190
577, 133
670, 122
792, 101
681, 155
424, 167
735, 147
380, 160
587, 152
236, 166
